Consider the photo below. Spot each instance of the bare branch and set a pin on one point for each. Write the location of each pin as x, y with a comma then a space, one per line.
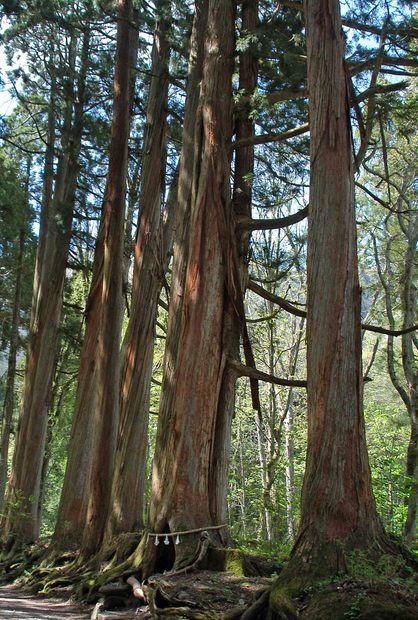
271, 137
273, 224
259, 375
280, 301
289, 307
287, 95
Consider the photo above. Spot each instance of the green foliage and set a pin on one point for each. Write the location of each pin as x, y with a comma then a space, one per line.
387, 437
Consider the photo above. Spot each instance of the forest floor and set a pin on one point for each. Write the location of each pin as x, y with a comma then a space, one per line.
207, 595
19, 604
215, 595
198, 595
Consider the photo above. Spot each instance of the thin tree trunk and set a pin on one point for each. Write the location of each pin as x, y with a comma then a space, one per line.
290, 472
106, 416
410, 367
407, 389
58, 393
262, 458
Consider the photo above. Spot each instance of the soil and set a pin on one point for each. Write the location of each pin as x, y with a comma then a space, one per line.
202, 595
19, 604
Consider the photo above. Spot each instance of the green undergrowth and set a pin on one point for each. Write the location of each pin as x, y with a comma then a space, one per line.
383, 588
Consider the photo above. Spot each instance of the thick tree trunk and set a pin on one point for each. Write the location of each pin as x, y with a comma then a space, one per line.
151, 262
21, 520
186, 433
106, 416
75, 492
338, 508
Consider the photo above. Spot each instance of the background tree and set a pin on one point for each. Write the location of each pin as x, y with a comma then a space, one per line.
56, 223
15, 218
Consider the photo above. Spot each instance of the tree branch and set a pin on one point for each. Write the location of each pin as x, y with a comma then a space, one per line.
259, 375
280, 301
288, 94
289, 307
271, 137
273, 224
351, 23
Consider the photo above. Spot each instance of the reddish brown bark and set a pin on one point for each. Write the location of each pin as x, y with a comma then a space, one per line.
106, 416
189, 406
151, 261
241, 207
338, 508
74, 499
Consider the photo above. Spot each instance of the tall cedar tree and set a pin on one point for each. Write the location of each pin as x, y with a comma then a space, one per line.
75, 491
186, 446
8, 408
151, 261
338, 510
106, 417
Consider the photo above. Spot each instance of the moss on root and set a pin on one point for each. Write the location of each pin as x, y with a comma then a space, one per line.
240, 563
280, 605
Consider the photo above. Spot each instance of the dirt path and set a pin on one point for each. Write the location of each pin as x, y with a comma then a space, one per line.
17, 604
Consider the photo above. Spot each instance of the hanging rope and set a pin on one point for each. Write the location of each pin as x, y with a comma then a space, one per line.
176, 535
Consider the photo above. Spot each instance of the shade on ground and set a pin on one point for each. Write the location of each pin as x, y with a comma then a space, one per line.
17, 604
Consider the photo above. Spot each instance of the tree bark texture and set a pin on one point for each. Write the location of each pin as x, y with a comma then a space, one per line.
186, 435
106, 416
21, 520
151, 262
338, 508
